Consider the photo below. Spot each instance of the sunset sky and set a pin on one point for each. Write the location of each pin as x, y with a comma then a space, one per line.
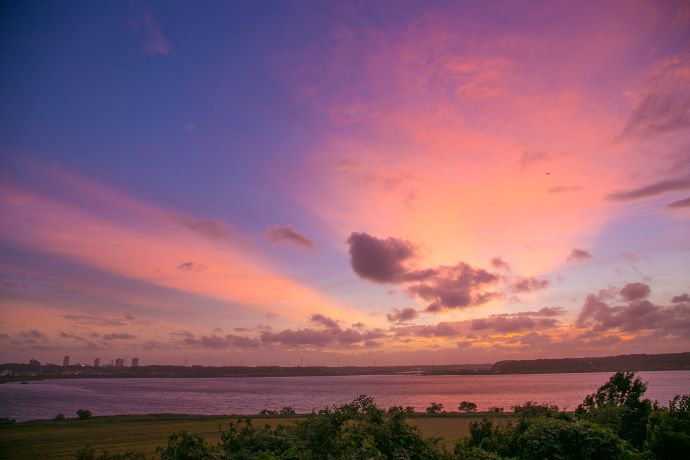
354, 182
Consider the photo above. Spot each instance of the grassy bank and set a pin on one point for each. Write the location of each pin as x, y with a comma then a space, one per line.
44, 439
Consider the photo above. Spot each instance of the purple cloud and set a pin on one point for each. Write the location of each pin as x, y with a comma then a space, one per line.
564, 189
401, 316
286, 234
500, 264
459, 286
380, 260
116, 336
325, 321
191, 267
529, 284
680, 298
653, 189
634, 291
638, 315
579, 254
679, 204
156, 42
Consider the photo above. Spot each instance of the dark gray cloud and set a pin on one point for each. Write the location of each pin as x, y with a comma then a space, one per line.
402, 315
634, 291
286, 234
380, 260
685, 203
650, 190
529, 284
579, 254
118, 336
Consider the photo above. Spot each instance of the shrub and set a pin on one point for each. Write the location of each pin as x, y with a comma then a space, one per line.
83, 414
59, 417
268, 412
7, 421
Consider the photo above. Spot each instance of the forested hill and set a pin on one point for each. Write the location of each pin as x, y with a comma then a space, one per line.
642, 362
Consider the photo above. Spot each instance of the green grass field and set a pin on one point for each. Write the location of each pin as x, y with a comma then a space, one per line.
61, 440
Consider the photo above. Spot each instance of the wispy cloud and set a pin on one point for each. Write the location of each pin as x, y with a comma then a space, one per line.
287, 234
156, 42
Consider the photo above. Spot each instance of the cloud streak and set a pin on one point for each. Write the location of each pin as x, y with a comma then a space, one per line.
287, 234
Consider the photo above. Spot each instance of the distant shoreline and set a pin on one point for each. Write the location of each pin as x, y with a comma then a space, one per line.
13, 372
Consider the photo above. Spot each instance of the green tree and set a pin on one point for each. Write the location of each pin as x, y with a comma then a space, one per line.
618, 406
434, 408
467, 406
84, 414
668, 430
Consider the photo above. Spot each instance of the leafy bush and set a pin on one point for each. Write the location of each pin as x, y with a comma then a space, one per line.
7, 421
83, 414
186, 446
59, 417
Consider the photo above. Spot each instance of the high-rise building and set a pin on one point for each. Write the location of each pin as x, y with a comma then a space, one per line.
119, 362
65, 361
97, 362
135, 362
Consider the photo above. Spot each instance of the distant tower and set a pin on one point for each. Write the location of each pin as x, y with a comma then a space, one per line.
135, 362
119, 362
97, 362
65, 361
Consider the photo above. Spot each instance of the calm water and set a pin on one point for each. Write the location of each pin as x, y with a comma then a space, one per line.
250, 395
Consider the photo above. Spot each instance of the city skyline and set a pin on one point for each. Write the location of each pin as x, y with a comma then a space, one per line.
391, 182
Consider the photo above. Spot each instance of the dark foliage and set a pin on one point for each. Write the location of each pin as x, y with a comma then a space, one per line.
467, 406
434, 408
83, 414
668, 430
617, 406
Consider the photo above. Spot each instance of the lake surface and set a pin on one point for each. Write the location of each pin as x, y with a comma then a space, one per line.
45, 399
